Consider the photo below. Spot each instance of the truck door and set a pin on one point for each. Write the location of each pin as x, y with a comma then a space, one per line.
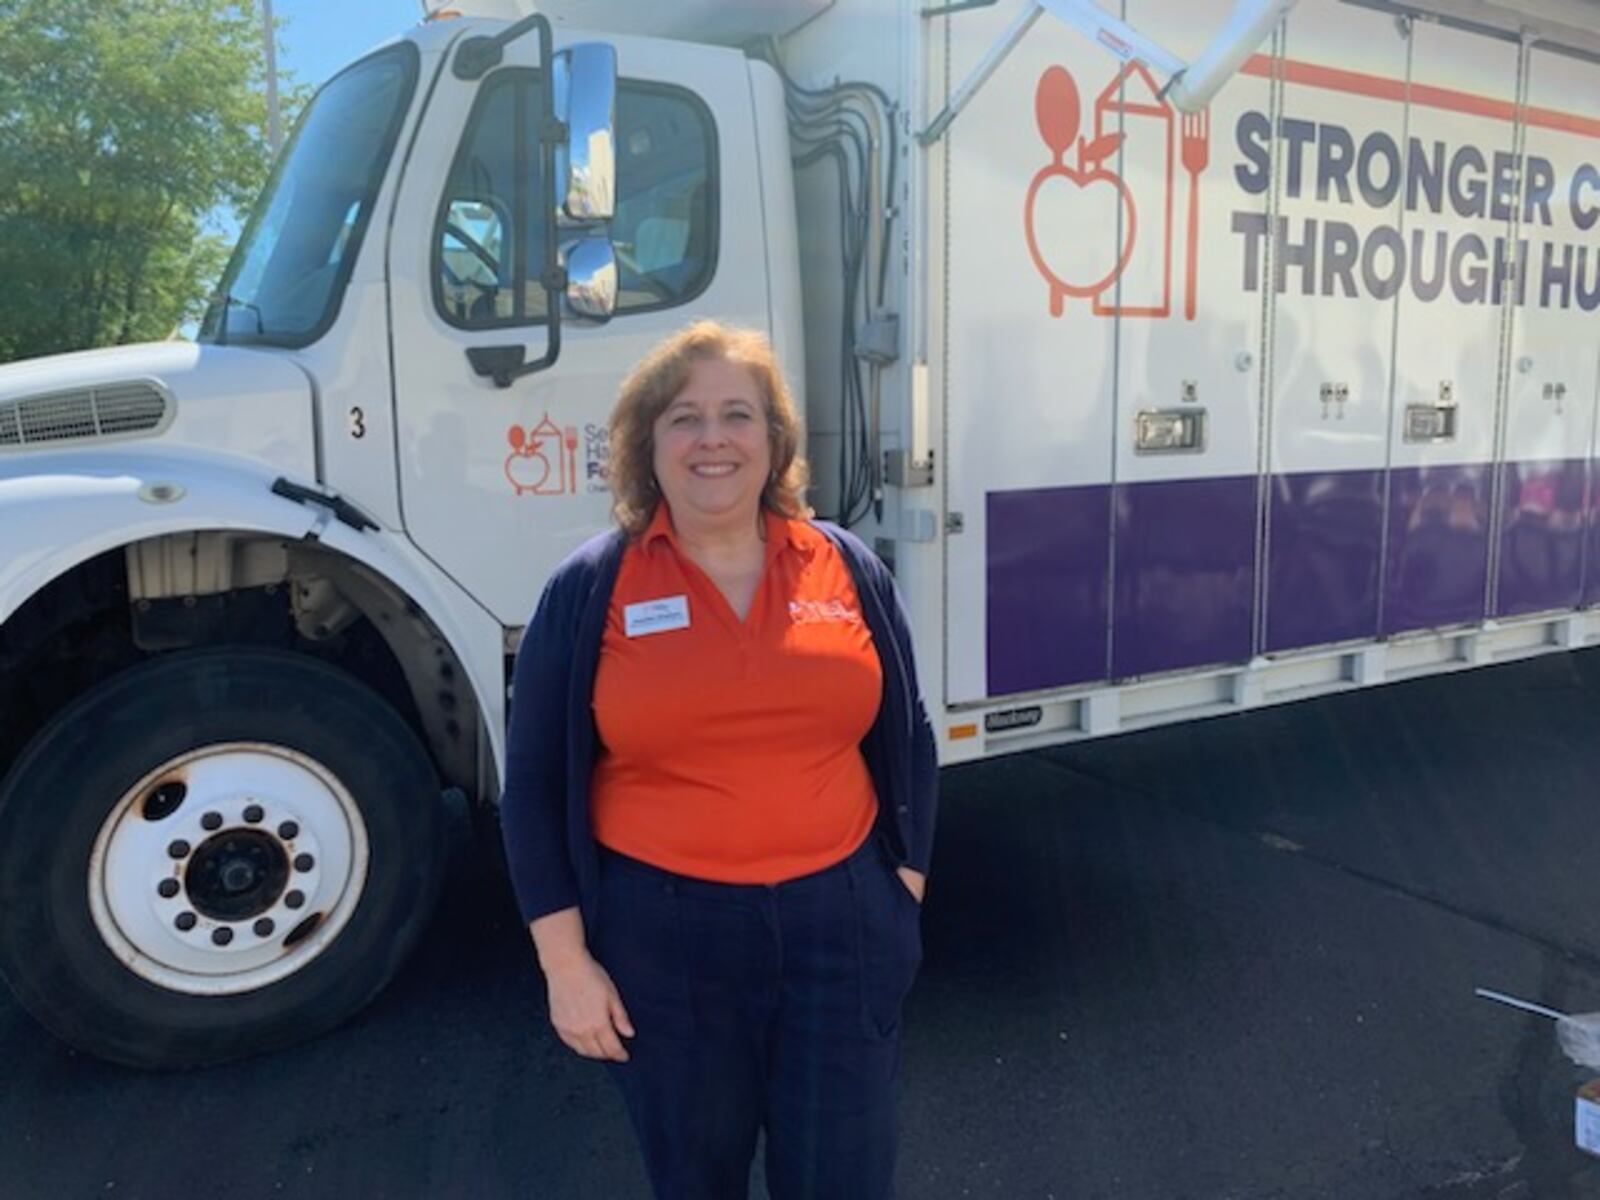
1187, 470
1554, 359
1339, 142
1461, 197
498, 485
1030, 230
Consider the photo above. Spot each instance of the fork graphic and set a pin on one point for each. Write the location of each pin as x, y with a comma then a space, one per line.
1196, 154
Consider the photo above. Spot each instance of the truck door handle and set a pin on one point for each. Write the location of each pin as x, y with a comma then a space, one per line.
1169, 431
1436, 422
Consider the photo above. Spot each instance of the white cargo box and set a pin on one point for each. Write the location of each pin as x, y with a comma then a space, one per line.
715, 21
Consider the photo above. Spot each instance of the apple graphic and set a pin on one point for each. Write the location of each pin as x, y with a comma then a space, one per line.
1074, 209
526, 466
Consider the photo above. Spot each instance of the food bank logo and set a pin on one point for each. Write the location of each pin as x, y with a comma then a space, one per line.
822, 612
1078, 195
543, 459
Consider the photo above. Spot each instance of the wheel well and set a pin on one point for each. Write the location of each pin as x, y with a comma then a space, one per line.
237, 588
71, 633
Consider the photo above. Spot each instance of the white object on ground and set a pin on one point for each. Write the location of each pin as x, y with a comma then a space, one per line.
1577, 1033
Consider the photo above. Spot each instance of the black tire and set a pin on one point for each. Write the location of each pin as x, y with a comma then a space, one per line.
64, 786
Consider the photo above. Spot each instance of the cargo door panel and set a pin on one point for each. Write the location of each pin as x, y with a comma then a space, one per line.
1339, 146
1461, 194
1189, 308
1554, 363
1031, 227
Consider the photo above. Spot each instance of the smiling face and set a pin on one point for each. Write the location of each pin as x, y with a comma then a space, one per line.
713, 450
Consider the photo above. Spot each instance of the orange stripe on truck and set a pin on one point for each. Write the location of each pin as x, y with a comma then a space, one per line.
1359, 83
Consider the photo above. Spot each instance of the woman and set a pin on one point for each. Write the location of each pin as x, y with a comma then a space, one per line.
720, 794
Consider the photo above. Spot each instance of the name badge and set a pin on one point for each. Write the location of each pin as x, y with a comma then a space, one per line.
656, 616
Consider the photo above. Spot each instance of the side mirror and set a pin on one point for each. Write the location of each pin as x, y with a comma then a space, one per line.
591, 264
585, 79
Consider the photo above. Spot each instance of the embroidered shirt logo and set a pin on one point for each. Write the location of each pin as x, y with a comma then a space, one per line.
818, 612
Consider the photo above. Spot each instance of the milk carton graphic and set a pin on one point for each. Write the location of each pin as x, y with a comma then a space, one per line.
1132, 104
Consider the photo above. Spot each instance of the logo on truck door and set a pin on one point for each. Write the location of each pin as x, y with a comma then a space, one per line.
555, 460
543, 459
1081, 190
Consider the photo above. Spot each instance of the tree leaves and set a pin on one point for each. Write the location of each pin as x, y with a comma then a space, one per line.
123, 123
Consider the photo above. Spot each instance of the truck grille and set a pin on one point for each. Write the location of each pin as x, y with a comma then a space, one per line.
116, 410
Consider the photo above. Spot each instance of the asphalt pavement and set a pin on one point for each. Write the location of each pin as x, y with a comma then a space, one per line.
1232, 960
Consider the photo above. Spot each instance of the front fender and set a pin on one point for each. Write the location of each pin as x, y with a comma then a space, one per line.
68, 508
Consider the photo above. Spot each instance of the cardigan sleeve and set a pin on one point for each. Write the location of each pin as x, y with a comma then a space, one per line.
533, 803
924, 782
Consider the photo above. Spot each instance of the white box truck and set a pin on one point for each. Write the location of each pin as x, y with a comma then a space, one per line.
1180, 358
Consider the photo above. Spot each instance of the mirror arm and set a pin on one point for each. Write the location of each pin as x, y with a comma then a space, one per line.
480, 55
474, 60
504, 364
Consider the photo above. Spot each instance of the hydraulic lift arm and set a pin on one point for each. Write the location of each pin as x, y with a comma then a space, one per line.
1189, 86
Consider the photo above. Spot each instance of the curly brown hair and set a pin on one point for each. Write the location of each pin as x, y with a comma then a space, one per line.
656, 382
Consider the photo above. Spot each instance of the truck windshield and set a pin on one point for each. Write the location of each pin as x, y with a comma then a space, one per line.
288, 273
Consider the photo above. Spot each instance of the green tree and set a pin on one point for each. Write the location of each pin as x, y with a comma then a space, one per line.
123, 124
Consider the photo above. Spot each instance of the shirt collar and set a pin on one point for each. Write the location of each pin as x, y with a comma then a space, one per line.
780, 532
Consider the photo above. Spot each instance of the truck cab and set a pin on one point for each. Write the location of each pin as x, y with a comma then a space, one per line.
404, 230
262, 611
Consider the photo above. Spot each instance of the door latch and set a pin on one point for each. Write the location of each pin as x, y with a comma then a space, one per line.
1169, 431
1436, 422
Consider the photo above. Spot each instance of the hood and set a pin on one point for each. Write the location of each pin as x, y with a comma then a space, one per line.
233, 400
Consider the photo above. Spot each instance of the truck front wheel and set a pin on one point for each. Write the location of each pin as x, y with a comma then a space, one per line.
214, 854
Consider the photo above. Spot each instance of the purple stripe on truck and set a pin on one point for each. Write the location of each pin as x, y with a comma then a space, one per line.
1438, 546
1591, 568
1183, 591
1185, 570
1541, 543
1048, 556
1326, 543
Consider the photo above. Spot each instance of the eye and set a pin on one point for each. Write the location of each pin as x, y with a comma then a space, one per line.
683, 419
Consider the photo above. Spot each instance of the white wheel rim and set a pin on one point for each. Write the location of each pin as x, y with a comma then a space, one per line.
247, 879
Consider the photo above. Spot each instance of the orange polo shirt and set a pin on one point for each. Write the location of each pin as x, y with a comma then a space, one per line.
731, 749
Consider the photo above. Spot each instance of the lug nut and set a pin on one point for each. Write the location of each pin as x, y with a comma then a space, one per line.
288, 831
179, 849
304, 863
211, 821
222, 935
264, 927
185, 921
168, 888
294, 899
254, 813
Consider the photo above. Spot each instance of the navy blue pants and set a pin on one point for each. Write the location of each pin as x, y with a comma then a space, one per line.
762, 1008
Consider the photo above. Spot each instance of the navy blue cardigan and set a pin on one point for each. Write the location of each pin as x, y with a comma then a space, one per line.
552, 743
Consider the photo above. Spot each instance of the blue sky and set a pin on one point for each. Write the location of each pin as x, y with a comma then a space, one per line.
317, 37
